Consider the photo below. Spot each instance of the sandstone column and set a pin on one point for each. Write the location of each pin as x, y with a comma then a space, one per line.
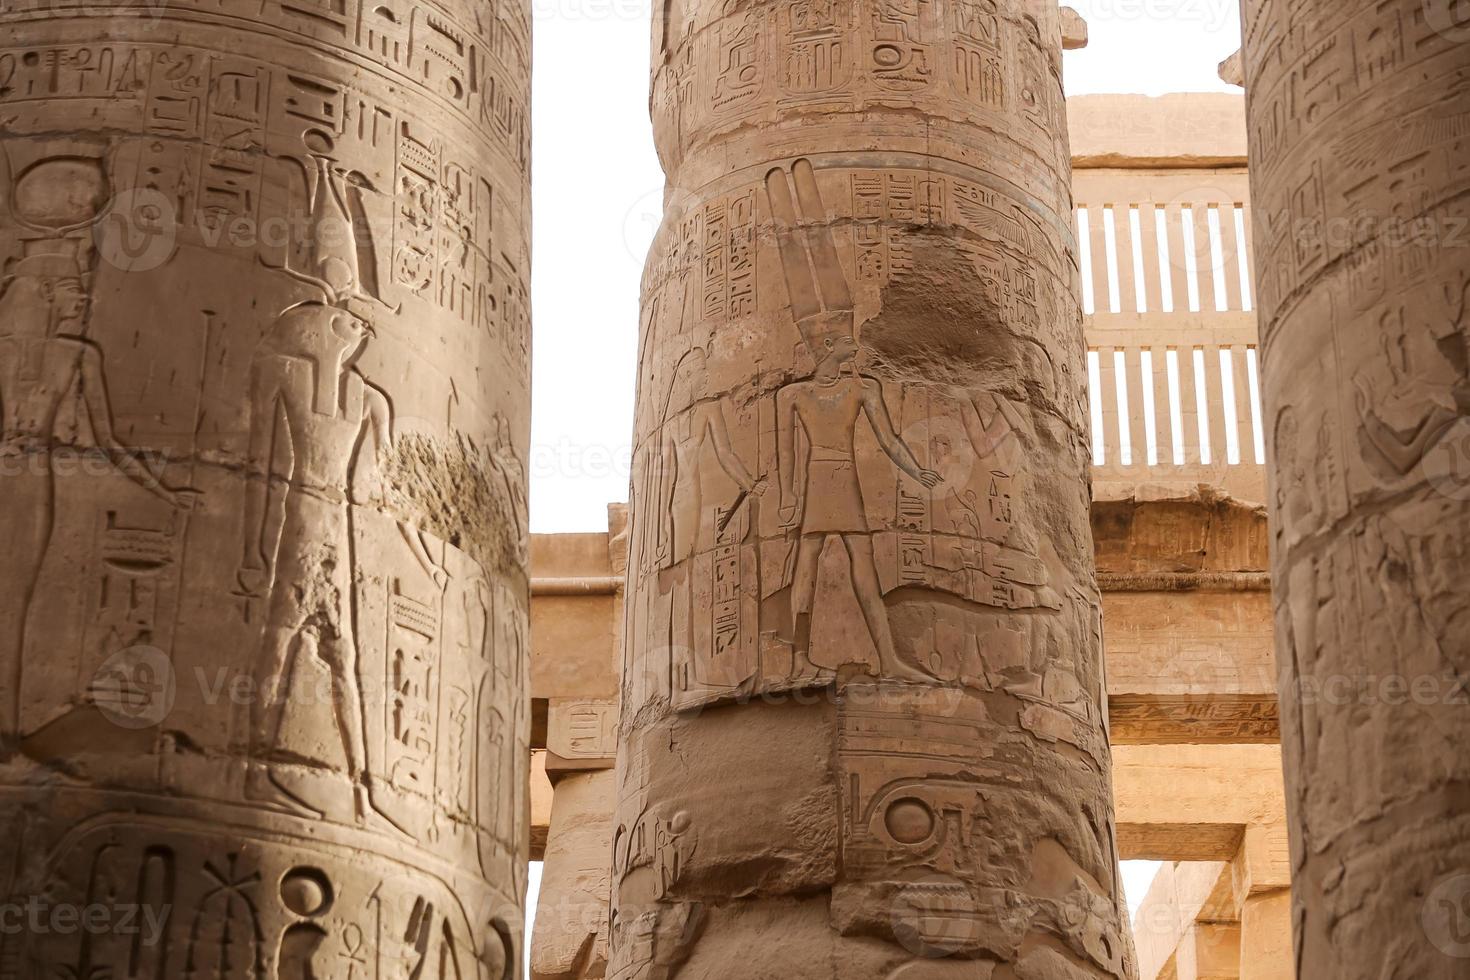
570, 940
863, 723
1265, 937
263, 369
1261, 879
1360, 167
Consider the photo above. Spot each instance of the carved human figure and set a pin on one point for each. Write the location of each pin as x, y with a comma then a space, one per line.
694, 428
1298, 496
313, 419
513, 477
1395, 452
312, 416
46, 364
821, 495
693, 423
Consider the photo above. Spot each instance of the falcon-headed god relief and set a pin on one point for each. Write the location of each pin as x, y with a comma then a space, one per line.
314, 420
821, 494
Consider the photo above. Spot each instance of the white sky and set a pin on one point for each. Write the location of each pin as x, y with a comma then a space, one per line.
597, 199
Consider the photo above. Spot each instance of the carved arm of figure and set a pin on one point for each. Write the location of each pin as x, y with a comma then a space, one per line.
378, 425
1401, 450
998, 436
377, 414
264, 506
876, 409
99, 413
787, 419
666, 466
379, 418
719, 433
419, 548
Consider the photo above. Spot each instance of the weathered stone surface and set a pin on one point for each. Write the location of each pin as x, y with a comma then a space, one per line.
1183, 895
1359, 148
1194, 802
263, 369
574, 635
1266, 938
571, 918
1074, 30
1209, 951
1182, 130
1232, 69
863, 719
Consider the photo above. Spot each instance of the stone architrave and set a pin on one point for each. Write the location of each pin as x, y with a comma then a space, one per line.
263, 369
864, 724
1359, 119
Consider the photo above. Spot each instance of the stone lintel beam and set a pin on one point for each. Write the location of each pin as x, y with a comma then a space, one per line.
1180, 131
1194, 802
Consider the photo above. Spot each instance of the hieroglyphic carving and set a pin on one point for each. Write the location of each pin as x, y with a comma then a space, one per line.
859, 573
964, 57
196, 909
977, 66
901, 56
1358, 135
817, 47
740, 44
263, 304
698, 557
582, 729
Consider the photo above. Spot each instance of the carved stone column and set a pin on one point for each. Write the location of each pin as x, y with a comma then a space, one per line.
1360, 172
863, 719
263, 369
570, 939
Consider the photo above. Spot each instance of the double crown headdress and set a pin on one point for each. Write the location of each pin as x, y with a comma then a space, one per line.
821, 299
